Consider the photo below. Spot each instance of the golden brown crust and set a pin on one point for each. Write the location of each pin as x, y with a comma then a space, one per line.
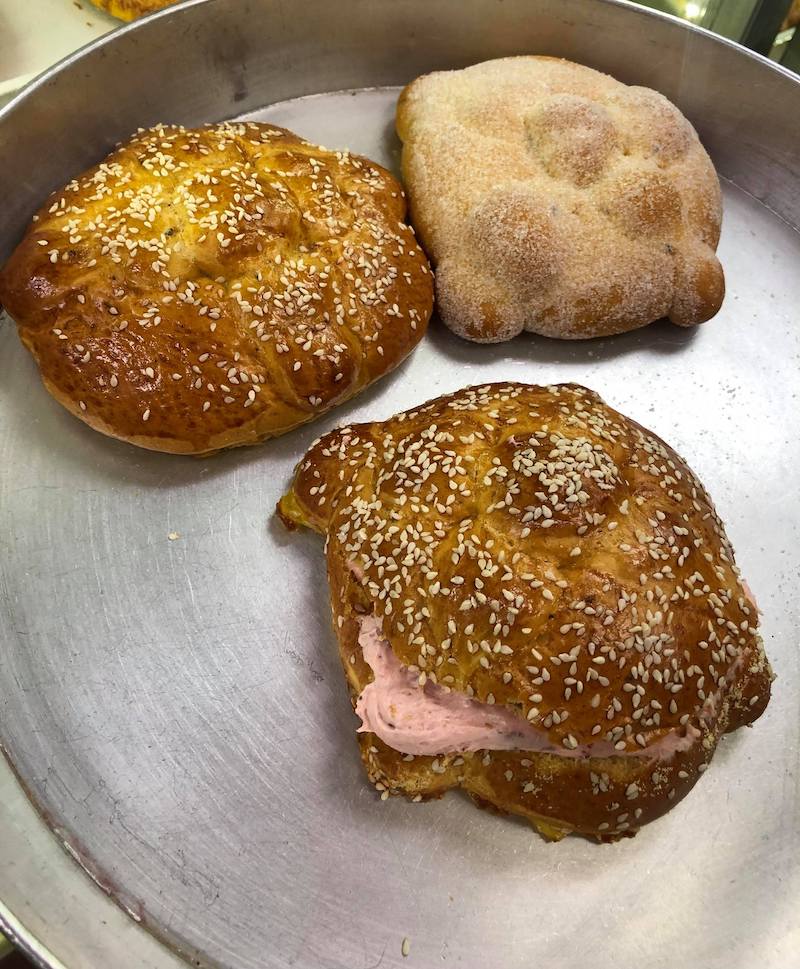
132, 9
555, 199
532, 547
207, 288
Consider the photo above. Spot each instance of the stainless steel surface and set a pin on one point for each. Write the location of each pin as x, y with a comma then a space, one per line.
176, 707
49, 905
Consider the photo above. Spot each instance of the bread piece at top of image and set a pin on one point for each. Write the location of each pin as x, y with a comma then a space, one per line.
132, 9
555, 199
211, 287
535, 601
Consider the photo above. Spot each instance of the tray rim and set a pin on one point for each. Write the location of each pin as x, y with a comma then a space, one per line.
41, 79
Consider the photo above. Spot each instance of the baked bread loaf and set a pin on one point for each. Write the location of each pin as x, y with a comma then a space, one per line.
554, 199
535, 601
206, 288
132, 9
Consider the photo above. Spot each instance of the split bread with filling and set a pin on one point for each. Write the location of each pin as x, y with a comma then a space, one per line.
535, 601
555, 199
211, 287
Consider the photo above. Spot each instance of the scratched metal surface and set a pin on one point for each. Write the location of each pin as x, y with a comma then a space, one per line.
176, 710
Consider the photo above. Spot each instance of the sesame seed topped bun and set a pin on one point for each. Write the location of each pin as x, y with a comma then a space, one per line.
535, 601
211, 287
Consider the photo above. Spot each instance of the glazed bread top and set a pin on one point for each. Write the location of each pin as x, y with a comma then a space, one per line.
206, 288
553, 198
531, 547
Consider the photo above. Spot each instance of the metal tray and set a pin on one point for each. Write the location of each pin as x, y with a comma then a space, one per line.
175, 708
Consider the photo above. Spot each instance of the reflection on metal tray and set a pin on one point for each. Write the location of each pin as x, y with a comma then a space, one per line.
175, 708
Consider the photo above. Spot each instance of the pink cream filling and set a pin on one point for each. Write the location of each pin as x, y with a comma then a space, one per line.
428, 719
748, 594
432, 720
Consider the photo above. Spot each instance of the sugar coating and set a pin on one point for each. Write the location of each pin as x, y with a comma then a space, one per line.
555, 199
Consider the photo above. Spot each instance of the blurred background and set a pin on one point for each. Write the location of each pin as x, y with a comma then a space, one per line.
36, 33
766, 26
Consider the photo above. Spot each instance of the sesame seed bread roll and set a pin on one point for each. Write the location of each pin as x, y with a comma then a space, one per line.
535, 601
552, 198
202, 289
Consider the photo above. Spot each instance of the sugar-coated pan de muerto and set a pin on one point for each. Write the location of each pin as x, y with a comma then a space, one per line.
535, 601
211, 287
555, 199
